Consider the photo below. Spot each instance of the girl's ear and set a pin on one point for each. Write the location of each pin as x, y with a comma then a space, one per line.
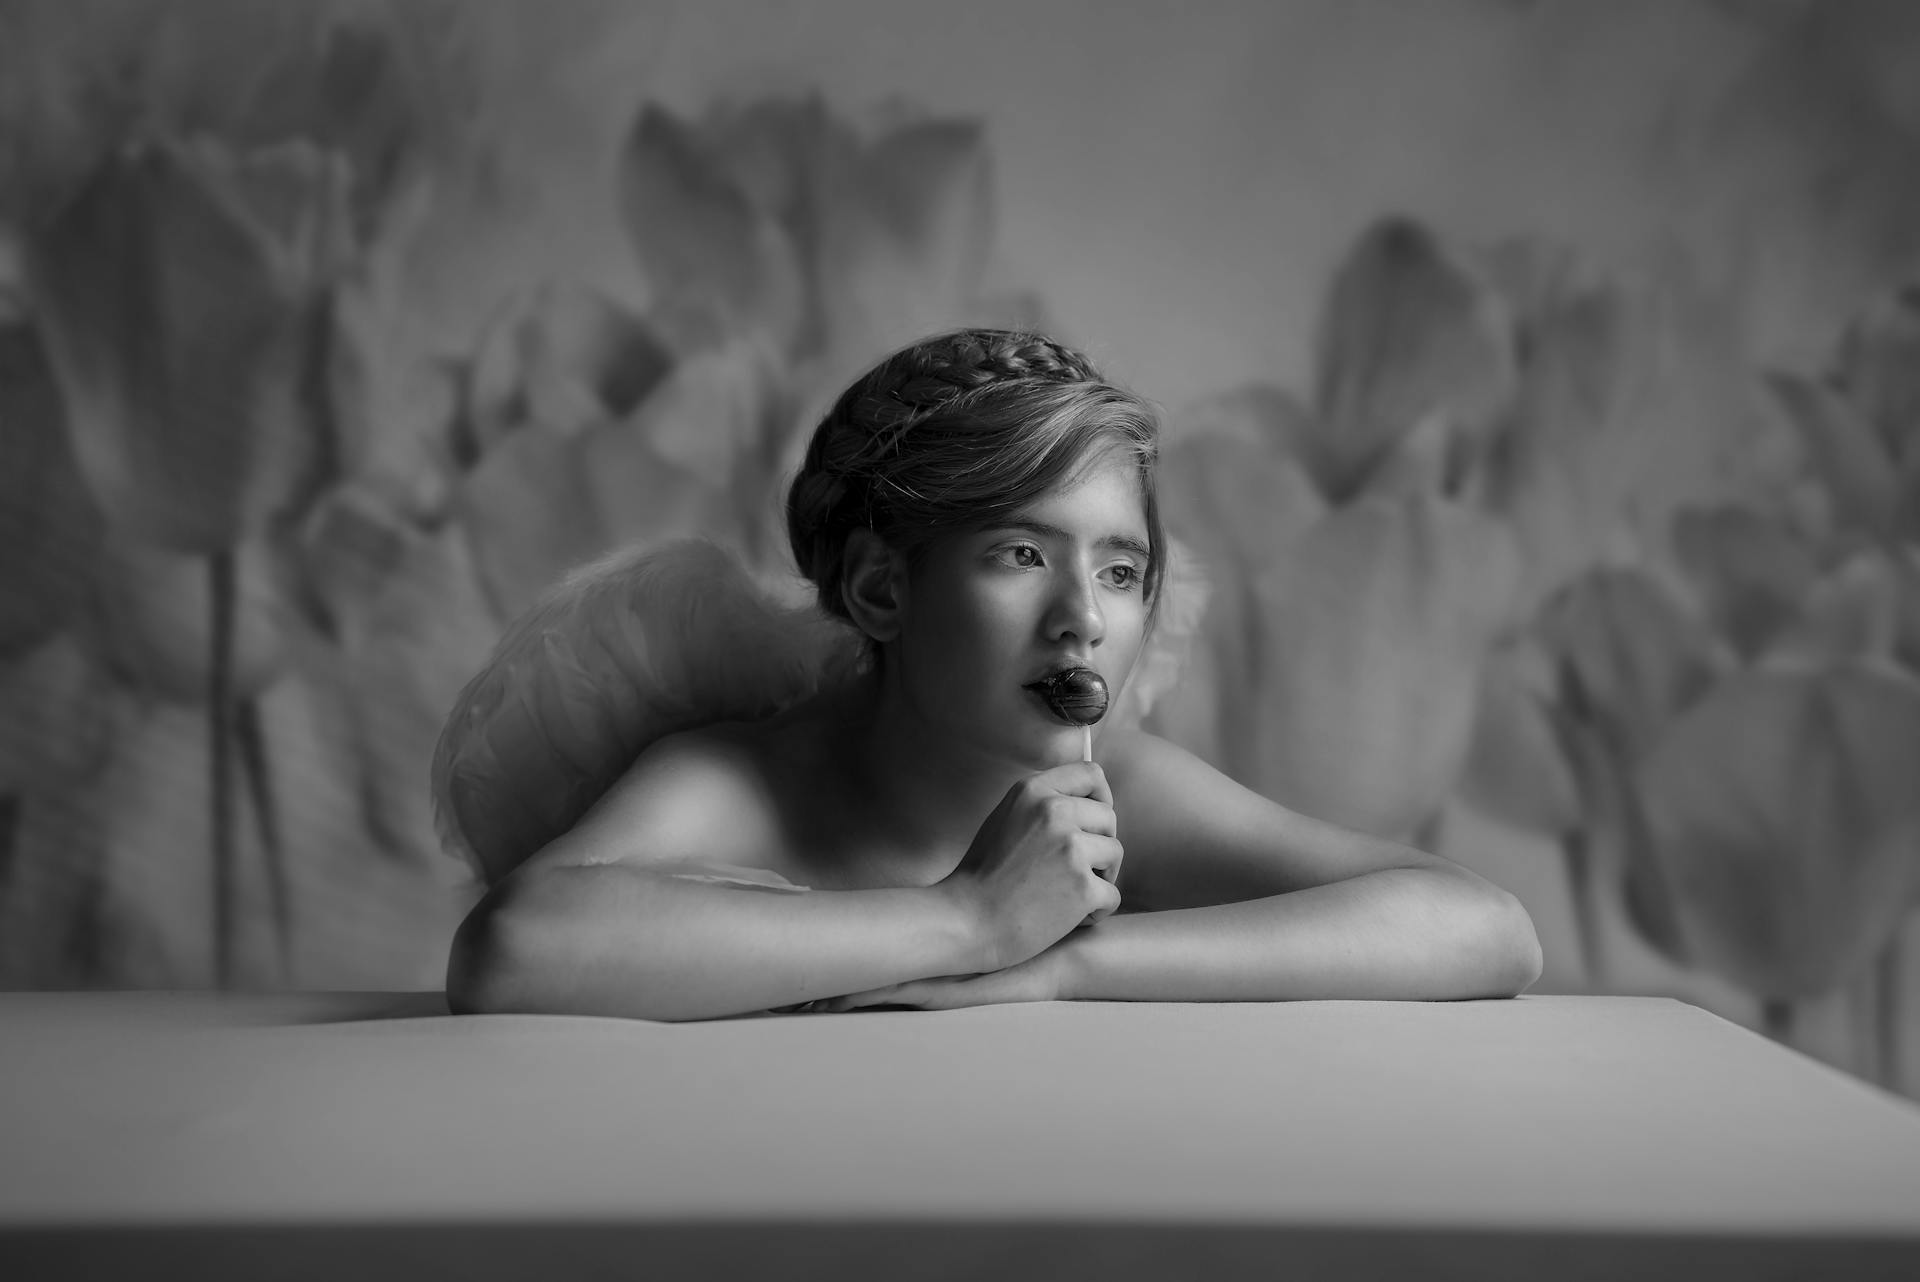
874, 585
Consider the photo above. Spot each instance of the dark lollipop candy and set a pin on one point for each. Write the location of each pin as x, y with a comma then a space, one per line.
1077, 696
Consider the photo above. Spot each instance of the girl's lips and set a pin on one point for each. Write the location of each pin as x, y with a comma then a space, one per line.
1077, 696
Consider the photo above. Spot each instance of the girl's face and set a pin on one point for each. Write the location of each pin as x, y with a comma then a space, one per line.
1061, 584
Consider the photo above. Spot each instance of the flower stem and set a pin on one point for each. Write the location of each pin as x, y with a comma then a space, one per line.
9, 830
252, 742
220, 798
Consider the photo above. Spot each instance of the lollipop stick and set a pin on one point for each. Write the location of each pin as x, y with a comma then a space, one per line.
1087, 755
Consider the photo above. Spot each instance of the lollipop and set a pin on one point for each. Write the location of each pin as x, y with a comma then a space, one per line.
1077, 696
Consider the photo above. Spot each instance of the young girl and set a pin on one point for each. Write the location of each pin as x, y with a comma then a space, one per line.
978, 515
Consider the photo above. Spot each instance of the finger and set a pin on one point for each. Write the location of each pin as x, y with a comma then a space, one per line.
1079, 779
1103, 855
1107, 901
1089, 815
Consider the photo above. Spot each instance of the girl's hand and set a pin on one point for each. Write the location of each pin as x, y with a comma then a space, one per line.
1041, 978
1044, 862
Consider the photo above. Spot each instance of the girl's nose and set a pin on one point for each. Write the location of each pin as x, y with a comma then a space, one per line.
1076, 614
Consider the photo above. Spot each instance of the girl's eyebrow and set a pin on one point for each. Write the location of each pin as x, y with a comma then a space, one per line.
1109, 542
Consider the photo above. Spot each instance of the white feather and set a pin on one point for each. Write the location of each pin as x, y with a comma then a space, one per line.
641, 644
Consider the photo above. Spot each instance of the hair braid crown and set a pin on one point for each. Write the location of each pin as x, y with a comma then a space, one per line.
1004, 413
933, 373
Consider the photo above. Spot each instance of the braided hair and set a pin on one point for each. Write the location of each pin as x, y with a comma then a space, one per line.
958, 432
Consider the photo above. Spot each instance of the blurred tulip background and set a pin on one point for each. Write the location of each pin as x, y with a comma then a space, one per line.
1541, 386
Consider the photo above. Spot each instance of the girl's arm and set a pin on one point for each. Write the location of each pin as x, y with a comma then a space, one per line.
1228, 896
1409, 934
1262, 903
621, 938
596, 923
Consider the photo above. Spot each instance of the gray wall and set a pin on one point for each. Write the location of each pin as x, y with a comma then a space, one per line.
320, 354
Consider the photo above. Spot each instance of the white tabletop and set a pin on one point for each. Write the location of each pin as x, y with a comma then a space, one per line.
1208, 1138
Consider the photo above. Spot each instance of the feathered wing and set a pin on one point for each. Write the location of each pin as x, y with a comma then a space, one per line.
638, 645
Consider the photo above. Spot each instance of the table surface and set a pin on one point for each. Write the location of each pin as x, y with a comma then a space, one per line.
1542, 1118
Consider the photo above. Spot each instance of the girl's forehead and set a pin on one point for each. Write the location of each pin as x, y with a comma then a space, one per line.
1110, 483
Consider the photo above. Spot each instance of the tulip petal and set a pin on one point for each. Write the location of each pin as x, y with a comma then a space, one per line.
1783, 806
152, 611
50, 530
185, 352
1853, 611
55, 718
1578, 359
1571, 454
1844, 450
712, 415
1377, 627
383, 695
564, 358
1614, 831
904, 235
1751, 571
291, 198
1630, 657
1237, 490
538, 505
1424, 461
52, 923
380, 88
1259, 414
1879, 371
1407, 333
780, 151
705, 247
401, 412
1516, 770
346, 549
1906, 634
1242, 504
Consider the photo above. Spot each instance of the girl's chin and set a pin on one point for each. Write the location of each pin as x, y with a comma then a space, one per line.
1027, 741
1031, 752
1054, 746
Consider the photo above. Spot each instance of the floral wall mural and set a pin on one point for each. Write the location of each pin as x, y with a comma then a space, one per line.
1579, 540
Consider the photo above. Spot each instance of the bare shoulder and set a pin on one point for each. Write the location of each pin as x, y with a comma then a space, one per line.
1126, 750
1146, 772
701, 794
1165, 795
1194, 835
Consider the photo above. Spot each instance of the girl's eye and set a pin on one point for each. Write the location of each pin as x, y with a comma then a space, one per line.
1021, 555
1125, 577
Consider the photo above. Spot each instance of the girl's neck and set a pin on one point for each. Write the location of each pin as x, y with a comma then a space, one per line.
927, 794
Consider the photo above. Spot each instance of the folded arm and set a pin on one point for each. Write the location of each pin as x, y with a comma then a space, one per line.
1229, 896
1410, 934
623, 939
1264, 904
597, 922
